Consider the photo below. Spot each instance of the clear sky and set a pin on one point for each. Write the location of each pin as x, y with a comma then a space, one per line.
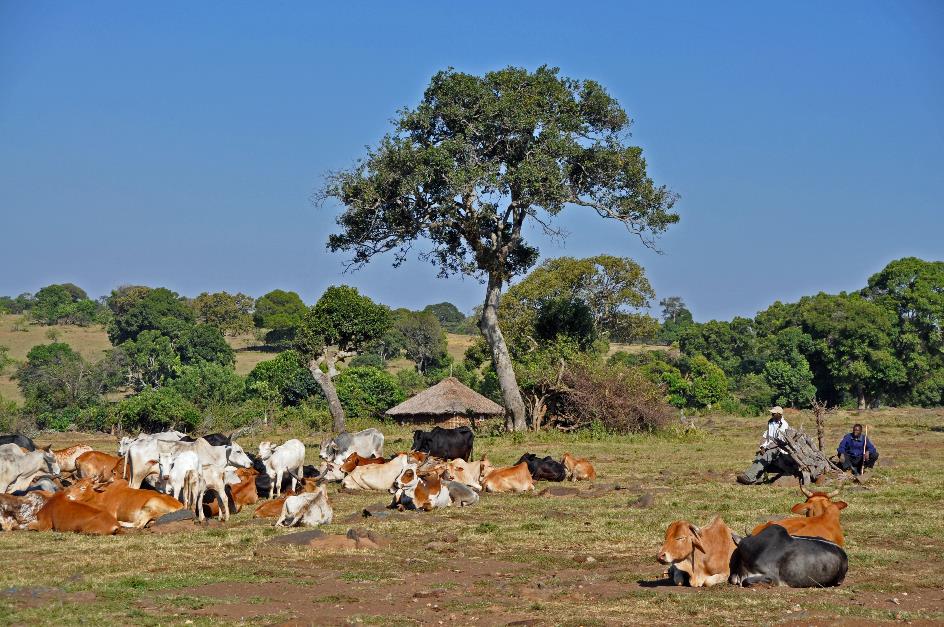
178, 143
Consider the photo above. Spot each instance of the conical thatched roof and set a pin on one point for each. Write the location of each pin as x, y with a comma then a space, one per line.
449, 397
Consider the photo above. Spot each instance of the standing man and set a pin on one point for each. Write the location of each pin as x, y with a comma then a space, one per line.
768, 451
854, 450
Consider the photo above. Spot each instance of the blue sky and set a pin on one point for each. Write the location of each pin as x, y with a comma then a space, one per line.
178, 143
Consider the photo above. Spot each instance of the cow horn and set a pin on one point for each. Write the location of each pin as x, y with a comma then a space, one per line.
835, 492
806, 492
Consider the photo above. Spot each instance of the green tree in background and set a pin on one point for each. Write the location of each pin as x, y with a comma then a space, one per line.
286, 374
479, 161
55, 377
368, 392
448, 315
204, 342
281, 312
230, 313
137, 308
207, 384
150, 360
675, 318
335, 329
424, 340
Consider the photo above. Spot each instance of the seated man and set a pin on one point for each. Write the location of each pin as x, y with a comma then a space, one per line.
769, 451
854, 450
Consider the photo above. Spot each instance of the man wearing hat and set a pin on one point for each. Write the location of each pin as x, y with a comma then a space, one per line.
768, 451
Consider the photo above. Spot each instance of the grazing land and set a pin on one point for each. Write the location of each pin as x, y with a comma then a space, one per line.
515, 557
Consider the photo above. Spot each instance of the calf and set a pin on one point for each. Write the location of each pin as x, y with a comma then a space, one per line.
95, 465
287, 458
214, 478
774, 557
819, 517
130, 506
578, 468
445, 443
704, 554
59, 513
354, 460
20, 440
66, 457
511, 479
309, 509
547, 469
173, 471
469, 473
273, 508
461, 494
376, 476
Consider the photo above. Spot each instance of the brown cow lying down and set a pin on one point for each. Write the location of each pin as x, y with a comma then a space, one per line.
66, 456
703, 554
819, 517
19, 512
578, 468
510, 479
273, 508
469, 473
130, 506
243, 493
354, 460
412, 491
98, 466
61, 514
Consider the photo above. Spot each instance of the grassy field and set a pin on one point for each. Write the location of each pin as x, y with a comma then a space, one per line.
515, 557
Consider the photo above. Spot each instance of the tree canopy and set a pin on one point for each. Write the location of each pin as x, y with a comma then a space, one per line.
480, 157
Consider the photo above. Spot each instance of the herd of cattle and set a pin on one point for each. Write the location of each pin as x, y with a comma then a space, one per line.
82, 490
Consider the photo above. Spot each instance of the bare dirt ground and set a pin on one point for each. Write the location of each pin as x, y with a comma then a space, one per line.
564, 557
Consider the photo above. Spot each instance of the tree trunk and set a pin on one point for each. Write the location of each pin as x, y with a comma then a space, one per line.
501, 359
327, 387
861, 399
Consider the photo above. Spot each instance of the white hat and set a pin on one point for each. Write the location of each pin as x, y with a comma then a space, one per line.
778, 410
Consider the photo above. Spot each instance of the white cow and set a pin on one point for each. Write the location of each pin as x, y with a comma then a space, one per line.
173, 471
144, 456
376, 476
126, 443
366, 443
17, 468
289, 457
309, 509
210, 477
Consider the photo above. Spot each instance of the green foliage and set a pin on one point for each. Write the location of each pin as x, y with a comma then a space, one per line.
11, 418
342, 318
230, 313
613, 289
449, 317
373, 360
286, 376
63, 304
410, 381
279, 309
136, 309
55, 377
565, 318
675, 319
5, 360
206, 384
367, 392
540, 140
150, 360
793, 382
708, 385
159, 409
424, 340
203, 342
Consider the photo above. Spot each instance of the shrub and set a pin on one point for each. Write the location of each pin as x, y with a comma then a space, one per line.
368, 359
367, 392
411, 381
620, 398
208, 384
157, 410
285, 375
709, 386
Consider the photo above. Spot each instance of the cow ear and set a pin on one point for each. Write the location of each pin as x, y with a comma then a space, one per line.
841, 504
736, 538
800, 508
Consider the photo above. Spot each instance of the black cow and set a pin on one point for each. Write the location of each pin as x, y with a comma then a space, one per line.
214, 439
445, 443
547, 469
775, 557
20, 440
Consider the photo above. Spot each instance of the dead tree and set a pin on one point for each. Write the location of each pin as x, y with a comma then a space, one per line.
810, 461
820, 410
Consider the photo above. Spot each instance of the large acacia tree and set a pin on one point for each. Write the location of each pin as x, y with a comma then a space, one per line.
476, 160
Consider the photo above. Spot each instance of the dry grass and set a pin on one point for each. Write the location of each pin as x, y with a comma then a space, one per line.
508, 545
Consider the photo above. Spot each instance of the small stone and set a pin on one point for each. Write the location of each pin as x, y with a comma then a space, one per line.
449, 537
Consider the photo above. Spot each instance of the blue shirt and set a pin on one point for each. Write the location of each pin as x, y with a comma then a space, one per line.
852, 446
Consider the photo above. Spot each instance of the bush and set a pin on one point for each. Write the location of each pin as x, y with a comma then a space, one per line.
208, 384
158, 409
368, 359
367, 392
709, 386
411, 381
619, 398
285, 376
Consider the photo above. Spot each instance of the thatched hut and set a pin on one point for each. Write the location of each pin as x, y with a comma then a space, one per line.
447, 404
